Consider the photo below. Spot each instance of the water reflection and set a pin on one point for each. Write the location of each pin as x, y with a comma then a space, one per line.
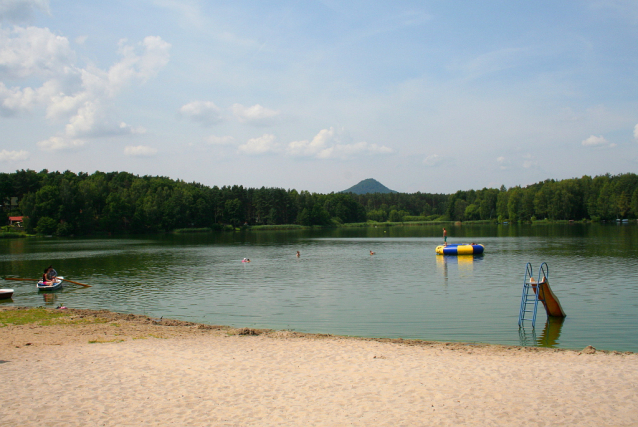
551, 332
464, 263
549, 337
49, 297
527, 338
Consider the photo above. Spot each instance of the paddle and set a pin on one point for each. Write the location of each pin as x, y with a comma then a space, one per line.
36, 280
77, 283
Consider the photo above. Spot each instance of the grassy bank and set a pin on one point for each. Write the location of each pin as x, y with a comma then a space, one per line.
41, 316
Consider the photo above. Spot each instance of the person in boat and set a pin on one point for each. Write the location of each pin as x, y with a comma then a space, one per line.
49, 276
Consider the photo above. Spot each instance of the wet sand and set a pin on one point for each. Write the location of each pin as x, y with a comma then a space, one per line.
125, 370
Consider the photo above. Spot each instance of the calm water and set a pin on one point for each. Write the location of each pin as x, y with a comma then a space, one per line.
336, 287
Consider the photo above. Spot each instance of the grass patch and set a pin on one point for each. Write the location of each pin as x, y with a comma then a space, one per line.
32, 315
143, 337
44, 317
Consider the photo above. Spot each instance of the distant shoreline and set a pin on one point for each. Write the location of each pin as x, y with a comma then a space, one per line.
228, 228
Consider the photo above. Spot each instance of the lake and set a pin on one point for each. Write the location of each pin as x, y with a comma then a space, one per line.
405, 290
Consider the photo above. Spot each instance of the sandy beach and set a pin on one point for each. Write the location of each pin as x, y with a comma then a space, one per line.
112, 369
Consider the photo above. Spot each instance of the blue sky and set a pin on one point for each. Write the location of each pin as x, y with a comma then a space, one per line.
430, 96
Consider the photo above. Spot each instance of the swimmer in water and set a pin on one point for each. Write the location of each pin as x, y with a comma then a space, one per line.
245, 260
371, 253
298, 254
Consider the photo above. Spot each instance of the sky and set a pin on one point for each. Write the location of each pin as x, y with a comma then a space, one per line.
431, 96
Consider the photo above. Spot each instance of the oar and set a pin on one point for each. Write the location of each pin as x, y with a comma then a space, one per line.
37, 280
77, 283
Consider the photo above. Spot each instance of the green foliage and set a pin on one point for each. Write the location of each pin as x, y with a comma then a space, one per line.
116, 202
64, 229
46, 225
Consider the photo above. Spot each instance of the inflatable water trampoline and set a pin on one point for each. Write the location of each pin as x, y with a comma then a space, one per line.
460, 249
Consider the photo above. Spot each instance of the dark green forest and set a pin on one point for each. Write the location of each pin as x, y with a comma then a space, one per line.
66, 203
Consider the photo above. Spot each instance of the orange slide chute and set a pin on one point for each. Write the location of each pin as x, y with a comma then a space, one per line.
550, 301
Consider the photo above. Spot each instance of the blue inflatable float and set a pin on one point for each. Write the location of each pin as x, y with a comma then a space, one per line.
460, 249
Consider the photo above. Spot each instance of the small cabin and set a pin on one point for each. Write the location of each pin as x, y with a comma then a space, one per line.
16, 221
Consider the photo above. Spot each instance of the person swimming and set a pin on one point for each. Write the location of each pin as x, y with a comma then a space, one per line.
245, 260
371, 253
298, 254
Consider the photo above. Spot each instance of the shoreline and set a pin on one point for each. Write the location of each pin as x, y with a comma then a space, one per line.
106, 368
110, 323
187, 327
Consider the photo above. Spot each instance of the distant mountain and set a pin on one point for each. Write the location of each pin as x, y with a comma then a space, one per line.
368, 186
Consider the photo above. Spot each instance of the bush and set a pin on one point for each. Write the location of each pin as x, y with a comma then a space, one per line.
64, 229
46, 225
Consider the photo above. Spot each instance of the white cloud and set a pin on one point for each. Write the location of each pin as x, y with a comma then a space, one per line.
220, 140
327, 144
13, 156
21, 10
33, 51
597, 141
261, 145
256, 114
433, 160
56, 143
83, 95
204, 112
15, 101
140, 151
138, 66
92, 120
343, 151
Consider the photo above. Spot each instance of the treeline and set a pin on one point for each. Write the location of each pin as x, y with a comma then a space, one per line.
604, 197
68, 203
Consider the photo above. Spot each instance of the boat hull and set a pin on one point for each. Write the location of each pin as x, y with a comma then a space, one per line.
6, 293
460, 249
55, 286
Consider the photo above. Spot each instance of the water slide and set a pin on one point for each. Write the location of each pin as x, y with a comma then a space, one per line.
550, 301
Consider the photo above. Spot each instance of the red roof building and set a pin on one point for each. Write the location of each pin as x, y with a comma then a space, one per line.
15, 220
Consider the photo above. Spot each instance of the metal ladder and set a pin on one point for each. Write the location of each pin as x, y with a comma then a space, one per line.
530, 298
